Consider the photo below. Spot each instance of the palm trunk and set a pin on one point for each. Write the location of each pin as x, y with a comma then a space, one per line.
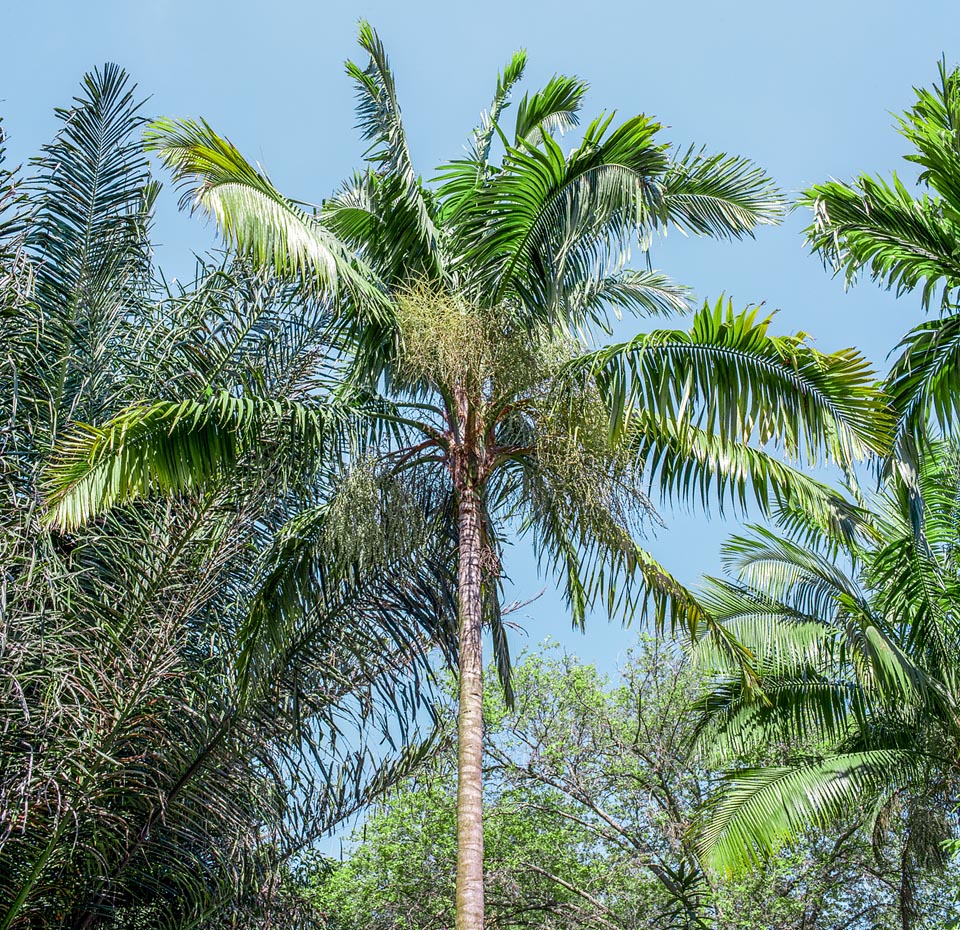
470, 727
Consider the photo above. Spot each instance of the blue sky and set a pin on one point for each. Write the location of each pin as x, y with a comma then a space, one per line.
805, 89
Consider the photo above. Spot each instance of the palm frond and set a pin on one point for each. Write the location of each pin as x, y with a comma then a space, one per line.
903, 241
251, 214
526, 220
381, 125
719, 195
764, 808
871, 224
732, 379
692, 466
923, 380
552, 109
177, 448
811, 582
483, 134
93, 197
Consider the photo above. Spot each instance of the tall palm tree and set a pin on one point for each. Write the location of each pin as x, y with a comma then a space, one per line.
854, 633
466, 320
908, 241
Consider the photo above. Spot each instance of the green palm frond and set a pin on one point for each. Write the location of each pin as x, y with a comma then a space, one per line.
809, 581
541, 203
718, 195
732, 379
761, 809
373, 217
377, 542
177, 448
779, 637
251, 214
923, 380
873, 224
380, 124
639, 293
552, 109
691, 465
88, 242
903, 241
458, 180
853, 640
931, 126
483, 134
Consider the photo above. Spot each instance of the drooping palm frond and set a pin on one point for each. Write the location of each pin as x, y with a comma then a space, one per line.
179, 447
903, 241
877, 225
691, 465
853, 639
531, 214
728, 377
923, 380
377, 532
639, 293
762, 808
251, 214
718, 195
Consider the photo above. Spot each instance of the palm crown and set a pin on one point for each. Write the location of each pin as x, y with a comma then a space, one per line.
471, 390
908, 243
854, 635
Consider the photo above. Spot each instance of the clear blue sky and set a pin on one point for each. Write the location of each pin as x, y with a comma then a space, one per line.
805, 89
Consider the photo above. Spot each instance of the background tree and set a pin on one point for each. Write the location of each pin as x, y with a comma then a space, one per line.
466, 314
591, 790
145, 772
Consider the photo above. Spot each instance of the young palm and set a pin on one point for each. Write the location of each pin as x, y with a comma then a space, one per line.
466, 312
908, 242
144, 778
855, 637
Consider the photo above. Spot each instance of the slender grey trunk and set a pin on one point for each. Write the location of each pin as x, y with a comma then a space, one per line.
470, 724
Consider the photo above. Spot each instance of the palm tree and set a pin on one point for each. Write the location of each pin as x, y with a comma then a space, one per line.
143, 781
854, 632
908, 242
466, 316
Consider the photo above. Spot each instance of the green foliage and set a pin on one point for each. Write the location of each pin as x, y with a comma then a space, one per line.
908, 243
592, 788
497, 273
451, 304
854, 644
152, 775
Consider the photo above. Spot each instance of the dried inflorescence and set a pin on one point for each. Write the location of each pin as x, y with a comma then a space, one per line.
599, 478
374, 517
